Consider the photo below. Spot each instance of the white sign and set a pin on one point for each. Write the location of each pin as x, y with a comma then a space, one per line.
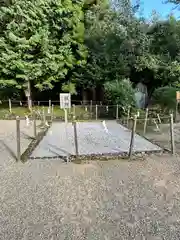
65, 100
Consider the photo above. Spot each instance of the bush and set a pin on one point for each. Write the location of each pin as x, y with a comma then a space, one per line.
165, 97
120, 92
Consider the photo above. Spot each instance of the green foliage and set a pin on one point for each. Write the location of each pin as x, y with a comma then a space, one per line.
40, 41
120, 92
85, 44
123, 46
109, 48
69, 88
165, 97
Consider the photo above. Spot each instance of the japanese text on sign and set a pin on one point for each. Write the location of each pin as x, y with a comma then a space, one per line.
65, 100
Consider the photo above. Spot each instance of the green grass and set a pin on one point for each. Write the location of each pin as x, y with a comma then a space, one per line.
23, 111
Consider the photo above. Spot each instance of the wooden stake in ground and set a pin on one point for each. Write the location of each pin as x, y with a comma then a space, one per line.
75, 138
52, 112
44, 115
176, 112
132, 136
177, 103
34, 124
138, 114
49, 109
91, 103
74, 110
10, 106
18, 139
117, 111
91, 108
65, 116
96, 111
157, 127
145, 121
159, 119
172, 134
128, 114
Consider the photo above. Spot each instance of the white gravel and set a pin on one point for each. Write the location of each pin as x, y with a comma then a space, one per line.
49, 199
92, 139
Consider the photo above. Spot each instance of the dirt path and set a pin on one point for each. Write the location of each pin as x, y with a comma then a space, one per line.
99, 200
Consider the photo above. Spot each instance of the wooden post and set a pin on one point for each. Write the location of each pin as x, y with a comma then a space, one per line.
18, 138
44, 116
157, 127
117, 112
75, 138
91, 108
177, 102
128, 114
107, 108
52, 112
172, 134
176, 112
29, 95
65, 116
10, 106
138, 114
96, 111
91, 103
145, 121
49, 106
34, 124
159, 119
74, 111
132, 136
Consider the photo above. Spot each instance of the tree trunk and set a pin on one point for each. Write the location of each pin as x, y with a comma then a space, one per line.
28, 95
84, 96
94, 94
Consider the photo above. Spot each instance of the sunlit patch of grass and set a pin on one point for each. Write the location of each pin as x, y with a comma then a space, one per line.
22, 111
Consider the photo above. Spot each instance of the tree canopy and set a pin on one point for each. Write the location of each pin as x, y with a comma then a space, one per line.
85, 44
40, 41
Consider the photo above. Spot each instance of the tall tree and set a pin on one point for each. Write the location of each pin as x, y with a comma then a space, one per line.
40, 41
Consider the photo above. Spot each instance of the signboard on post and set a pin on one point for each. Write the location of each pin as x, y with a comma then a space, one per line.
65, 100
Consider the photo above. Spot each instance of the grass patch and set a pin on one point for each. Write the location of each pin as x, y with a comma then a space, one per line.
22, 111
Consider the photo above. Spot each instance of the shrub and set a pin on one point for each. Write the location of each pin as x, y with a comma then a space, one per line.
120, 92
165, 97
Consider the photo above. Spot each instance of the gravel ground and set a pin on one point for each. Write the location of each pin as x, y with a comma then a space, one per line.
163, 138
8, 149
49, 199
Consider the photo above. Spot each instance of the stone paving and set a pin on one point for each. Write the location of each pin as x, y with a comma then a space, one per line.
92, 139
